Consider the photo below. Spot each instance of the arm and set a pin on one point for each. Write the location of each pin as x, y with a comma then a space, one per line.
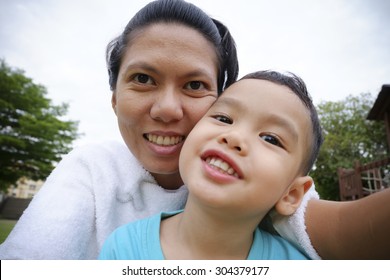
357, 229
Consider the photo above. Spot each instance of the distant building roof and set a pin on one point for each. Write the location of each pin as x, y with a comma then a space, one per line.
381, 105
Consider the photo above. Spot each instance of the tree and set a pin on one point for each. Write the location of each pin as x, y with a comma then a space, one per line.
349, 136
32, 135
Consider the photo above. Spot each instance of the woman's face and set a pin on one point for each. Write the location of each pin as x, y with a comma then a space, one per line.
166, 83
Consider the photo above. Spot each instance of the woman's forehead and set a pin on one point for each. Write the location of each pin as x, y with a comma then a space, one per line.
175, 40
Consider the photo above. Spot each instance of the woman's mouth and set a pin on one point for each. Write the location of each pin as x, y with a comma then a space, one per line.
163, 140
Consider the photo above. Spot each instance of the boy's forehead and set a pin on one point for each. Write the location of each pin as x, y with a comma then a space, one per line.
263, 97
248, 95
246, 90
256, 85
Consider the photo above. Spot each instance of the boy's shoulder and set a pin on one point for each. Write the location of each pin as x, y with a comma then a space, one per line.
273, 247
138, 240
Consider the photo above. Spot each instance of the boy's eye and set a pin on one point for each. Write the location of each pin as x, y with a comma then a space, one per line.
143, 79
271, 139
223, 119
195, 85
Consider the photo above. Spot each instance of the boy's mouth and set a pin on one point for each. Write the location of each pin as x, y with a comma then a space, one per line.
221, 165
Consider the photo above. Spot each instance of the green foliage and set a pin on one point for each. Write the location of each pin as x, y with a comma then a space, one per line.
32, 135
349, 136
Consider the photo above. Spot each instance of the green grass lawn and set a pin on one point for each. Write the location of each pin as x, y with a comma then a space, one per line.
5, 228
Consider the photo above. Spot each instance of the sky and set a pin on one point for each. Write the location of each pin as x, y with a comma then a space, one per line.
339, 47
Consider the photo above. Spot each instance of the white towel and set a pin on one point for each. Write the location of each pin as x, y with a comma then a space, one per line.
92, 191
293, 227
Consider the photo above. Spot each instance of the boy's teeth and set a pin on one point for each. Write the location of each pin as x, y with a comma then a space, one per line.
221, 165
164, 140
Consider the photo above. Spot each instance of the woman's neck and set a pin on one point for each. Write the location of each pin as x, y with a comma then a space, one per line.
168, 181
196, 234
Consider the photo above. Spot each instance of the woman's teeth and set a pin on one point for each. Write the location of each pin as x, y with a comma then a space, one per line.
164, 140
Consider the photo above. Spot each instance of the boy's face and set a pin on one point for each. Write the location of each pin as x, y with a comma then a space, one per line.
248, 148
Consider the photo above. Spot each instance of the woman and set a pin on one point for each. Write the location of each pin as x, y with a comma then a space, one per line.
166, 69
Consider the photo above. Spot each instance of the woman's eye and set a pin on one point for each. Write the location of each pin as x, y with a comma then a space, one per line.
271, 139
143, 79
223, 119
195, 85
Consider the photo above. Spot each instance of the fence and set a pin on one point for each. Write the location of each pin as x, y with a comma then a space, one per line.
12, 208
364, 180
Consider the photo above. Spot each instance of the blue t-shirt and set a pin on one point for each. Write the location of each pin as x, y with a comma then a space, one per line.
140, 240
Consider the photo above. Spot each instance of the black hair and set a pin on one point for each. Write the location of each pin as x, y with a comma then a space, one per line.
298, 86
178, 11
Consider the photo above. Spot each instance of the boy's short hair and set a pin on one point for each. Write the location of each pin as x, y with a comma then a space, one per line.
297, 85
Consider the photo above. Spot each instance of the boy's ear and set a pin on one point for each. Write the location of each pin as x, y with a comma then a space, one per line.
113, 101
291, 200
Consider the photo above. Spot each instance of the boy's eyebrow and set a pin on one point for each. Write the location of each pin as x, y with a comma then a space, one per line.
275, 119
286, 124
227, 101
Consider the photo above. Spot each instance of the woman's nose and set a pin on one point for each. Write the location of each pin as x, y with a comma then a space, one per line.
167, 107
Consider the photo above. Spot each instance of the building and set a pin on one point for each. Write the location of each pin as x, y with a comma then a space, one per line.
25, 188
372, 177
380, 111
18, 198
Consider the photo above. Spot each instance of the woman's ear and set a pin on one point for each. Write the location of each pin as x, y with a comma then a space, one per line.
113, 101
291, 200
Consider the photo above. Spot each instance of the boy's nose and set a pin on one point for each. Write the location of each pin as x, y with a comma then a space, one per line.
236, 141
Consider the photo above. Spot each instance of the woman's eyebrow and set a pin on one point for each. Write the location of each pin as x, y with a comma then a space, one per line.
140, 65
198, 73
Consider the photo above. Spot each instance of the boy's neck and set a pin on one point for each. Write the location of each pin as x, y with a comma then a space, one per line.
199, 234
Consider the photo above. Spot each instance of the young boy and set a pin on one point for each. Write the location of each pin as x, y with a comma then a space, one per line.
248, 155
